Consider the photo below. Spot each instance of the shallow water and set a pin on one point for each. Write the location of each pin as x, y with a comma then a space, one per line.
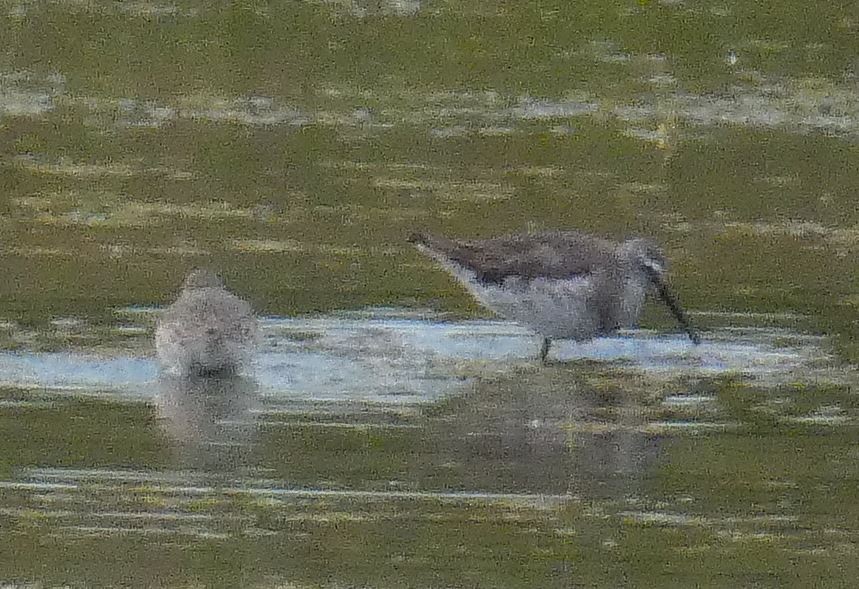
374, 443
390, 356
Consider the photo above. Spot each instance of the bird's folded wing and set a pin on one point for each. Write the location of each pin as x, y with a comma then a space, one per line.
557, 255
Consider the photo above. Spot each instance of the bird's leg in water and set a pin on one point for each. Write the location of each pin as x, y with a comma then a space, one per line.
544, 349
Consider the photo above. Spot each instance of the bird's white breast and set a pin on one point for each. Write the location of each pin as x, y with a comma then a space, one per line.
558, 308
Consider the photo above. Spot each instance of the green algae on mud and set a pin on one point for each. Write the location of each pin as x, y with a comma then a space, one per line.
730, 251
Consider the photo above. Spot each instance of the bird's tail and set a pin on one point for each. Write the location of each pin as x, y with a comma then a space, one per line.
433, 243
419, 238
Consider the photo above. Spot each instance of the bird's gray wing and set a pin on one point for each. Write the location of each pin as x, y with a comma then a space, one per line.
534, 255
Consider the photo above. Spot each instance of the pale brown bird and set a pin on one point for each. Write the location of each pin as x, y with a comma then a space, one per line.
208, 330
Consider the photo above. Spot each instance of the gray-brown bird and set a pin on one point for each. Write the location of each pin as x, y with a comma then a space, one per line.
561, 284
207, 331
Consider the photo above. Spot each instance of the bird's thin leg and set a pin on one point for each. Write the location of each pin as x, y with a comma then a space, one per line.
544, 349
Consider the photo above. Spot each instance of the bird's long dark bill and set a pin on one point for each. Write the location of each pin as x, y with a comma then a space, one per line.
670, 300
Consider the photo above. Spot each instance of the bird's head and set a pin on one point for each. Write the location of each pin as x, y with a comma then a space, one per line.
202, 278
648, 258
646, 255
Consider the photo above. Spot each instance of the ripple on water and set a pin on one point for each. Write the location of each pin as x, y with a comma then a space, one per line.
798, 105
26, 94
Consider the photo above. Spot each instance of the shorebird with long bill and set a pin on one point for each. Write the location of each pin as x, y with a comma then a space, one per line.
561, 284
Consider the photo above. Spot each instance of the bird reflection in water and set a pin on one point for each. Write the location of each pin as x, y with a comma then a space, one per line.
613, 451
210, 420
552, 433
